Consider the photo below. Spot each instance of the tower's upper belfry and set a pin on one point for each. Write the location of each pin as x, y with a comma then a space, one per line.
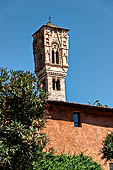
50, 49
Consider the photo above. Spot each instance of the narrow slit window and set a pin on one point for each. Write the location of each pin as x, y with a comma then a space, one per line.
53, 59
58, 85
76, 118
111, 166
57, 57
53, 82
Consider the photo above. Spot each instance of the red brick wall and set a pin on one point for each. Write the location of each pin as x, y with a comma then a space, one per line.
65, 138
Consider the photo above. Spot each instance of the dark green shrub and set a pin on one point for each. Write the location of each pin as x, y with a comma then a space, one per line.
65, 162
107, 150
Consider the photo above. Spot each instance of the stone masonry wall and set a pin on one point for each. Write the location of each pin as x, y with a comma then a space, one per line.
65, 138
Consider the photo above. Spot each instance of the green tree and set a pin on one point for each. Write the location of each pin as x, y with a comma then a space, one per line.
22, 102
107, 150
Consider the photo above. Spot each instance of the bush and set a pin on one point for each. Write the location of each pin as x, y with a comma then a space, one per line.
65, 162
22, 103
107, 150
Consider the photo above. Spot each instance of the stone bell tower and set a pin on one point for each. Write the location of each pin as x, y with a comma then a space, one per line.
50, 49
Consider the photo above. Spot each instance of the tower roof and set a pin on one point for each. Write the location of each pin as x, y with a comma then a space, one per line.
49, 24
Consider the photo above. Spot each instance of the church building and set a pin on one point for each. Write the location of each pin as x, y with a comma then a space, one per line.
72, 128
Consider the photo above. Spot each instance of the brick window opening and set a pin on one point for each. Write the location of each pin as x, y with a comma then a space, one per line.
57, 57
56, 84
76, 118
111, 166
53, 59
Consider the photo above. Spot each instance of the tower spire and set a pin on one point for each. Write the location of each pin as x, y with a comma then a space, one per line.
49, 19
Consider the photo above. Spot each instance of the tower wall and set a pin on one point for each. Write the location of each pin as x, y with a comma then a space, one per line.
50, 49
54, 94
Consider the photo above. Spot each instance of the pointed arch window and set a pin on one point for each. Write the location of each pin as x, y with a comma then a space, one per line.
55, 54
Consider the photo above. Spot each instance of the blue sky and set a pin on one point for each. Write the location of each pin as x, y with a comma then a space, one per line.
90, 74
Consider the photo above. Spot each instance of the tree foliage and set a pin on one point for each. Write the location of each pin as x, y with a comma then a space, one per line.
107, 150
22, 103
65, 162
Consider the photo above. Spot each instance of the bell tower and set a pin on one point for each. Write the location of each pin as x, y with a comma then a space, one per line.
50, 49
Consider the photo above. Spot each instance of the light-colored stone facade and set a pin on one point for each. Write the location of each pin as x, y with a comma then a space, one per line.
50, 49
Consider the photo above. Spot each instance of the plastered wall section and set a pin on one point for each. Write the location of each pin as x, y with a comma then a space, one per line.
65, 138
